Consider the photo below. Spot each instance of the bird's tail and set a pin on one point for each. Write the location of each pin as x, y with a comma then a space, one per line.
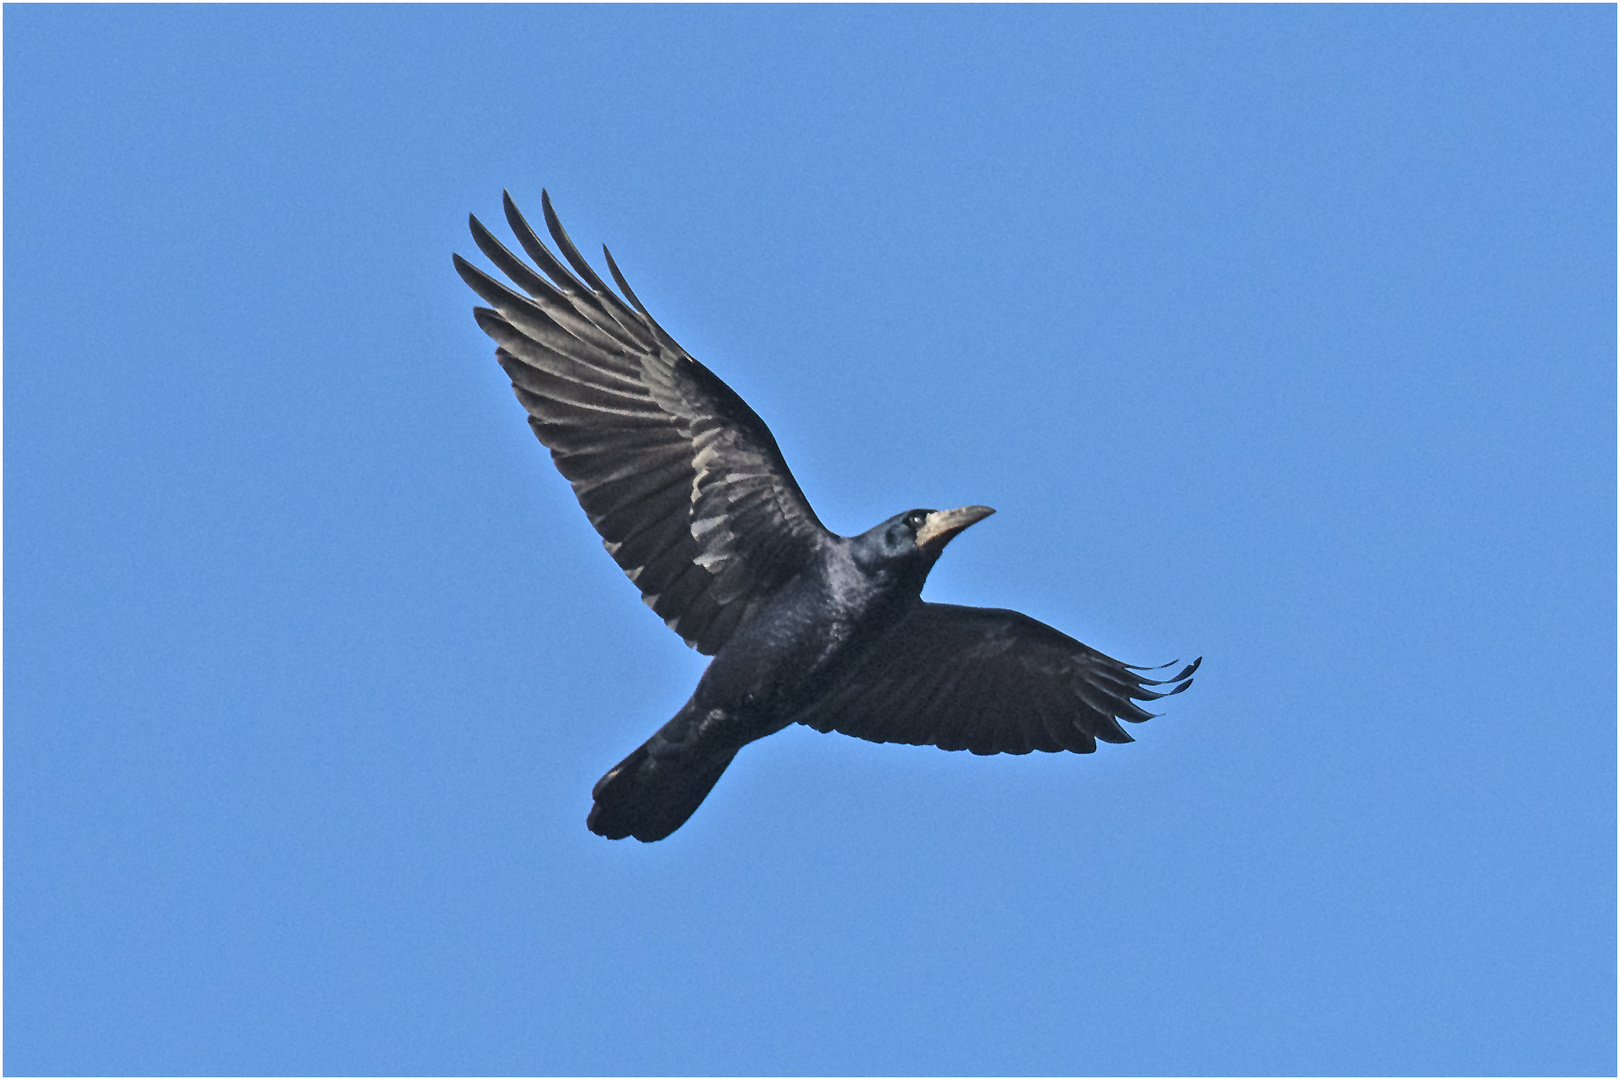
649, 796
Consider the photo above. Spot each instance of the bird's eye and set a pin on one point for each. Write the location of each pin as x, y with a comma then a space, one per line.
915, 519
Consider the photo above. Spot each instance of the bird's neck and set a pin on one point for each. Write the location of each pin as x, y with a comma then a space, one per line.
876, 596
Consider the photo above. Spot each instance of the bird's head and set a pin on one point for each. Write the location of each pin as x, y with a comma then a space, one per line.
916, 537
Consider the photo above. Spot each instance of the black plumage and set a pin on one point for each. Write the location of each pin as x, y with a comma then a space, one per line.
694, 502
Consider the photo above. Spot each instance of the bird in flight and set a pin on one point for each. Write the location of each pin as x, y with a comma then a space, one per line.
693, 500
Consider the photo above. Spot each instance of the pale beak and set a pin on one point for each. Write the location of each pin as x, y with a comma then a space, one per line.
941, 525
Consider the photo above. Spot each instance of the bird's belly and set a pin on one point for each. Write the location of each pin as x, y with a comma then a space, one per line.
763, 677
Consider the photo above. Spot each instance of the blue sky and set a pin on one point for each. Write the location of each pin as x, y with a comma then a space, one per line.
1281, 335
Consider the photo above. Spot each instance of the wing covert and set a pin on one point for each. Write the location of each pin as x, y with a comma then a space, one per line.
683, 480
989, 681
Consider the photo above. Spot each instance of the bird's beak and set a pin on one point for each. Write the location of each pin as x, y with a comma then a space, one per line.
941, 525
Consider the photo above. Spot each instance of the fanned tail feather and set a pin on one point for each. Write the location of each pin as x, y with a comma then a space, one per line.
649, 797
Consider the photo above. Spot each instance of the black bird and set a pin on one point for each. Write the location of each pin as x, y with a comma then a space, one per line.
694, 502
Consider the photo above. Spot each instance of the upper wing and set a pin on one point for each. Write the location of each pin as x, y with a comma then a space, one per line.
682, 479
989, 681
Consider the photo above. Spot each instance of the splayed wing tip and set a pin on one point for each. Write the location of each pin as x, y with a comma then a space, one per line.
624, 286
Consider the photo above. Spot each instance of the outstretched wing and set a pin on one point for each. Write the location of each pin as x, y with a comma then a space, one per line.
989, 681
683, 480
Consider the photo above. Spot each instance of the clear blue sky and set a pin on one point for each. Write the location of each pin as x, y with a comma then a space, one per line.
1283, 335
